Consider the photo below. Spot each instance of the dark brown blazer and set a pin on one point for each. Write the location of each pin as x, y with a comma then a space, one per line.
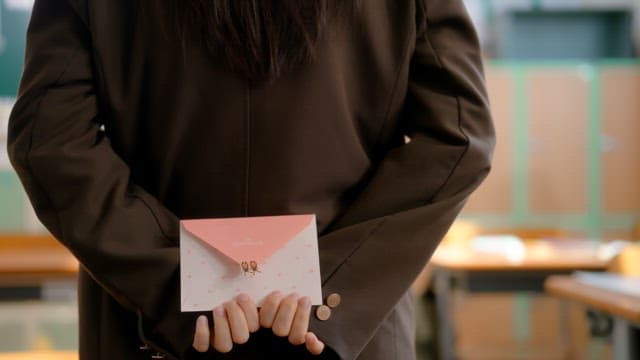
117, 133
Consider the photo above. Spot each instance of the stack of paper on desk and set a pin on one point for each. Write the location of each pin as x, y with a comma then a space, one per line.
626, 285
220, 258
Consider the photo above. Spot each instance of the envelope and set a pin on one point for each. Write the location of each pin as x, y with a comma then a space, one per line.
220, 258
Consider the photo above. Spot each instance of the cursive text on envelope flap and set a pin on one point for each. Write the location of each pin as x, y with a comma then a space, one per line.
248, 238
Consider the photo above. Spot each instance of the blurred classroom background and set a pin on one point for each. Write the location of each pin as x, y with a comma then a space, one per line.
543, 263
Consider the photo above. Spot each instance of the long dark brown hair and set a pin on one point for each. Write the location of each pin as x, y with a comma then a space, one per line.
261, 39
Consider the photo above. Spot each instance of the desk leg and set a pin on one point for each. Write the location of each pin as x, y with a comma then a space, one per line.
625, 342
442, 287
522, 316
564, 321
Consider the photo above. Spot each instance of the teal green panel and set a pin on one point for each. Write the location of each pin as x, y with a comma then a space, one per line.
541, 34
536, 4
13, 27
522, 317
13, 337
514, 65
520, 166
575, 222
489, 11
619, 221
61, 336
11, 202
594, 151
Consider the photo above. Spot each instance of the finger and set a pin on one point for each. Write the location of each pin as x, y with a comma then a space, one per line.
269, 309
237, 322
221, 332
314, 345
284, 316
201, 339
300, 323
250, 310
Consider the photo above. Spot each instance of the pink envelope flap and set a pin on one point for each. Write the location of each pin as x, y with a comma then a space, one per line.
248, 238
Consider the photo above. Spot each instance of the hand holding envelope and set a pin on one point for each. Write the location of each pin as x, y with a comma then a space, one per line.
287, 316
251, 257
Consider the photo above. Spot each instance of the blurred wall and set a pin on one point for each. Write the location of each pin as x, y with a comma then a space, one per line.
568, 148
489, 14
564, 101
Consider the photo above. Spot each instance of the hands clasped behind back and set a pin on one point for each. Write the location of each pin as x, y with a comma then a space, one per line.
236, 319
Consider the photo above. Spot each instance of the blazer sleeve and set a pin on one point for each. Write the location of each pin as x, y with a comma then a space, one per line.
379, 245
81, 190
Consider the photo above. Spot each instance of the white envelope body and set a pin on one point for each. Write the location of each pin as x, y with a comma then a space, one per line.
209, 277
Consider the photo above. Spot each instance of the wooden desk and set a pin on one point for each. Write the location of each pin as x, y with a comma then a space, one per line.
40, 355
36, 267
474, 272
625, 308
541, 255
32, 260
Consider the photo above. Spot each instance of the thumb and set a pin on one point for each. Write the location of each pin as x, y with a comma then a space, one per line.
313, 344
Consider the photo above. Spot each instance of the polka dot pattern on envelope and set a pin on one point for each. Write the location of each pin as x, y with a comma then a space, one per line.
215, 278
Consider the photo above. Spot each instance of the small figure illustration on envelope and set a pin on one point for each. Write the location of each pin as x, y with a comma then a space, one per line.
220, 258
